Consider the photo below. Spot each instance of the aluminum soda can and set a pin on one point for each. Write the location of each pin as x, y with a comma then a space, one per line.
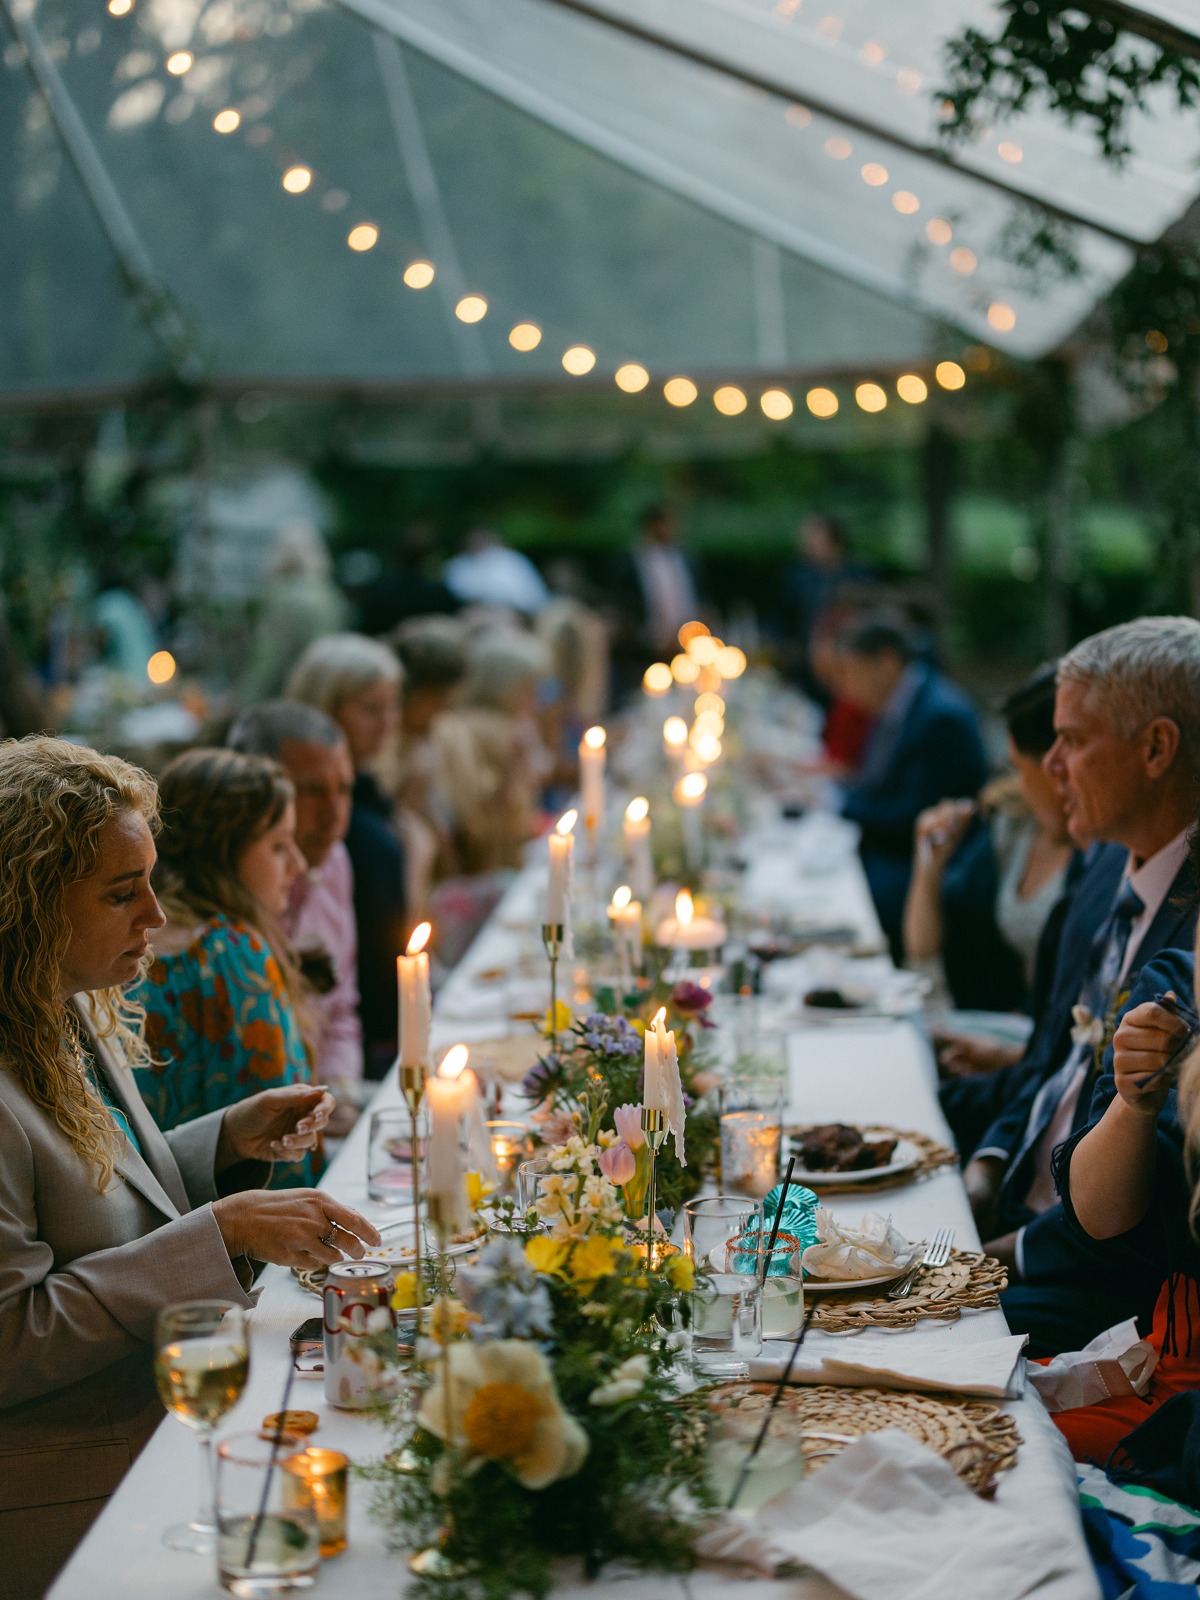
362, 1361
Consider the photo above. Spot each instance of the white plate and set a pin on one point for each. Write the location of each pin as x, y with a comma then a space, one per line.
904, 1158
827, 1286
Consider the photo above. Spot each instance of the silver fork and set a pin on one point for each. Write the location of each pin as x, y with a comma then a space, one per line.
936, 1255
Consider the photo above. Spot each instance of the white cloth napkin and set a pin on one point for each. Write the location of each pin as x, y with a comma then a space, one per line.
843, 1253
990, 1369
888, 1519
1115, 1362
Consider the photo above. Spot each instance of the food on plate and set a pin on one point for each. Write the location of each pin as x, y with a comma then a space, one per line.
832, 1000
837, 1147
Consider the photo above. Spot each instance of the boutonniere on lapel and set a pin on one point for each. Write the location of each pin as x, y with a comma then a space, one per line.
1087, 1029
1097, 1032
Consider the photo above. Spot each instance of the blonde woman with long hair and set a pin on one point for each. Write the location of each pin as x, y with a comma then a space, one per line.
103, 1220
224, 1000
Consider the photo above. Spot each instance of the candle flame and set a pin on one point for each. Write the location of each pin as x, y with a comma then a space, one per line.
685, 908
638, 810
704, 649
690, 631
420, 938
675, 731
595, 738
707, 746
692, 786
657, 678
659, 1018
453, 1061
730, 661
566, 822
622, 896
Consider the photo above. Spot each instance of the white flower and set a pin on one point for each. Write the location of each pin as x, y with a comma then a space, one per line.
1088, 1029
624, 1382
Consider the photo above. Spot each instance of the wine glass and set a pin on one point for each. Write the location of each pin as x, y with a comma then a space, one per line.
201, 1363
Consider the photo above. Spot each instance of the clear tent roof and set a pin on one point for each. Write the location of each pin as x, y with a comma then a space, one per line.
703, 186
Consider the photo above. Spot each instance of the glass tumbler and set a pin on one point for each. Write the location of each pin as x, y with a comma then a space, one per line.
389, 1155
726, 1303
268, 1539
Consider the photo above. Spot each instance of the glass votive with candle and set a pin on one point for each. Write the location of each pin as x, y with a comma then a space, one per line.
511, 1144
751, 1137
326, 1474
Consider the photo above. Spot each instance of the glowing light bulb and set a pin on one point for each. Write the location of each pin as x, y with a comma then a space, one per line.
632, 378
875, 174
179, 62
471, 308
227, 121
161, 667
679, 391
296, 180
419, 274
822, 402
729, 400
657, 678
950, 375
365, 236
578, 360
1001, 317
963, 260
525, 336
938, 231
906, 203
912, 389
870, 397
776, 404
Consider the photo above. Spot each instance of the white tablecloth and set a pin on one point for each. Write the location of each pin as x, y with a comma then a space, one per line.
847, 1072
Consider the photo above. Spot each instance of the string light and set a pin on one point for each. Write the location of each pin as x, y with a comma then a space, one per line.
875, 174
632, 378
1001, 317
419, 274
227, 121
963, 260
679, 391
776, 405
950, 375
870, 397
906, 203
296, 180
471, 308
578, 360
179, 62
525, 336
938, 231
729, 400
822, 402
119, 8
1008, 150
363, 237
912, 389
838, 149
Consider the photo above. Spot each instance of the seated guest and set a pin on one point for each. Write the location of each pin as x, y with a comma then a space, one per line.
924, 747
433, 653
223, 998
1125, 1181
1127, 718
319, 918
356, 681
104, 1221
492, 753
988, 874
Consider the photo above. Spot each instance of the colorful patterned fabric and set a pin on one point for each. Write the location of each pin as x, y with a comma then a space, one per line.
221, 1026
1143, 1546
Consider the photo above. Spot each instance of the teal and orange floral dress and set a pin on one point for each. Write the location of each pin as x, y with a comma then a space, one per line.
221, 1026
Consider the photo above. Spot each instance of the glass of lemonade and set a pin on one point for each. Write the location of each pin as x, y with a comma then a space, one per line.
726, 1303
268, 1535
777, 1465
201, 1363
783, 1285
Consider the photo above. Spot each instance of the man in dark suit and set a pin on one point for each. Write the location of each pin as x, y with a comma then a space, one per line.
1127, 754
924, 747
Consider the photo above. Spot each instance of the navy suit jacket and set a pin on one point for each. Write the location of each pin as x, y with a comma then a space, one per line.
1173, 928
1055, 1248
980, 1110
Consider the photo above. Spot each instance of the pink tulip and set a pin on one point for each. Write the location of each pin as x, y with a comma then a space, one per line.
628, 1122
618, 1164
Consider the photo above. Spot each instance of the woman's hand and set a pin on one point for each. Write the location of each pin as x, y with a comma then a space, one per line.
276, 1125
1146, 1040
294, 1227
940, 831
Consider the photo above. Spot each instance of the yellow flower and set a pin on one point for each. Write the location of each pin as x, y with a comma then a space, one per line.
594, 1258
681, 1271
478, 1189
562, 1019
404, 1295
504, 1407
545, 1254
638, 1026
449, 1319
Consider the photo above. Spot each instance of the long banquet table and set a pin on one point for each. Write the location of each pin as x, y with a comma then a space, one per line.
848, 1071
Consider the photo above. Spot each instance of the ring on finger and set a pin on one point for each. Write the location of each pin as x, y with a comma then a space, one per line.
329, 1239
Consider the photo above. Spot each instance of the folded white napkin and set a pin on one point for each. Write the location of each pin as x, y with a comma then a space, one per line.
888, 1519
1115, 1362
843, 1253
990, 1369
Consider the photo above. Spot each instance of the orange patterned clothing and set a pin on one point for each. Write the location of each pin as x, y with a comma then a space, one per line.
220, 1026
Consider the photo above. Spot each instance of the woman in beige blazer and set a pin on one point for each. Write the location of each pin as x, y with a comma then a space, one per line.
103, 1220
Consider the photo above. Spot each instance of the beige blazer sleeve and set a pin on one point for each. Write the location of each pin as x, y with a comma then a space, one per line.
65, 1316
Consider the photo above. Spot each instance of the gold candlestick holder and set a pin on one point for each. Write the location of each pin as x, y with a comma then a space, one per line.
654, 1126
553, 936
433, 1562
412, 1087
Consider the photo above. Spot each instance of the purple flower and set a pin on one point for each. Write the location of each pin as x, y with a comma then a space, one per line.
618, 1164
541, 1077
627, 1120
690, 998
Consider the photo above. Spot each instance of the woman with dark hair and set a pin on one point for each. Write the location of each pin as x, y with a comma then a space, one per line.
224, 999
988, 872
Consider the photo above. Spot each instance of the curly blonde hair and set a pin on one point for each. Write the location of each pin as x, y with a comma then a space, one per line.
56, 799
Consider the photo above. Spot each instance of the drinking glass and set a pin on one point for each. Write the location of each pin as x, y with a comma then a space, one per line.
529, 1182
726, 1303
201, 1363
511, 1143
389, 1155
751, 1135
777, 1466
268, 1540
781, 1276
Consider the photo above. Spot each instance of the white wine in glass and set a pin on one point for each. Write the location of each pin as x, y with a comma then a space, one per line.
201, 1363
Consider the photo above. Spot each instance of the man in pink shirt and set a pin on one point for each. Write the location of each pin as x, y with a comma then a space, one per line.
320, 918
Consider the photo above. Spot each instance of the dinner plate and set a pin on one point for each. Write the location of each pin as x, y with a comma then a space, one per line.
831, 1286
904, 1158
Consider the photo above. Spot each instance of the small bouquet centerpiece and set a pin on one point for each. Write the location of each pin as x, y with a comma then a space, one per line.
549, 1425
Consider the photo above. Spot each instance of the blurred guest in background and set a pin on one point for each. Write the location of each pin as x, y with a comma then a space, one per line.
224, 999
410, 588
847, 727
491, 749
813, 585
490, 573
575, 693
433, 653
924, 746
300, 603
652, 593
988, 874
357, 682
319, 919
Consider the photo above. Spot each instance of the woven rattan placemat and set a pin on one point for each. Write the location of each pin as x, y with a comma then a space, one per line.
970, 1281
934, 1156
977, 1437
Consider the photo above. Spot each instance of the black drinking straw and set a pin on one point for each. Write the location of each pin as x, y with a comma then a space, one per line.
276, 1441
775, 1399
